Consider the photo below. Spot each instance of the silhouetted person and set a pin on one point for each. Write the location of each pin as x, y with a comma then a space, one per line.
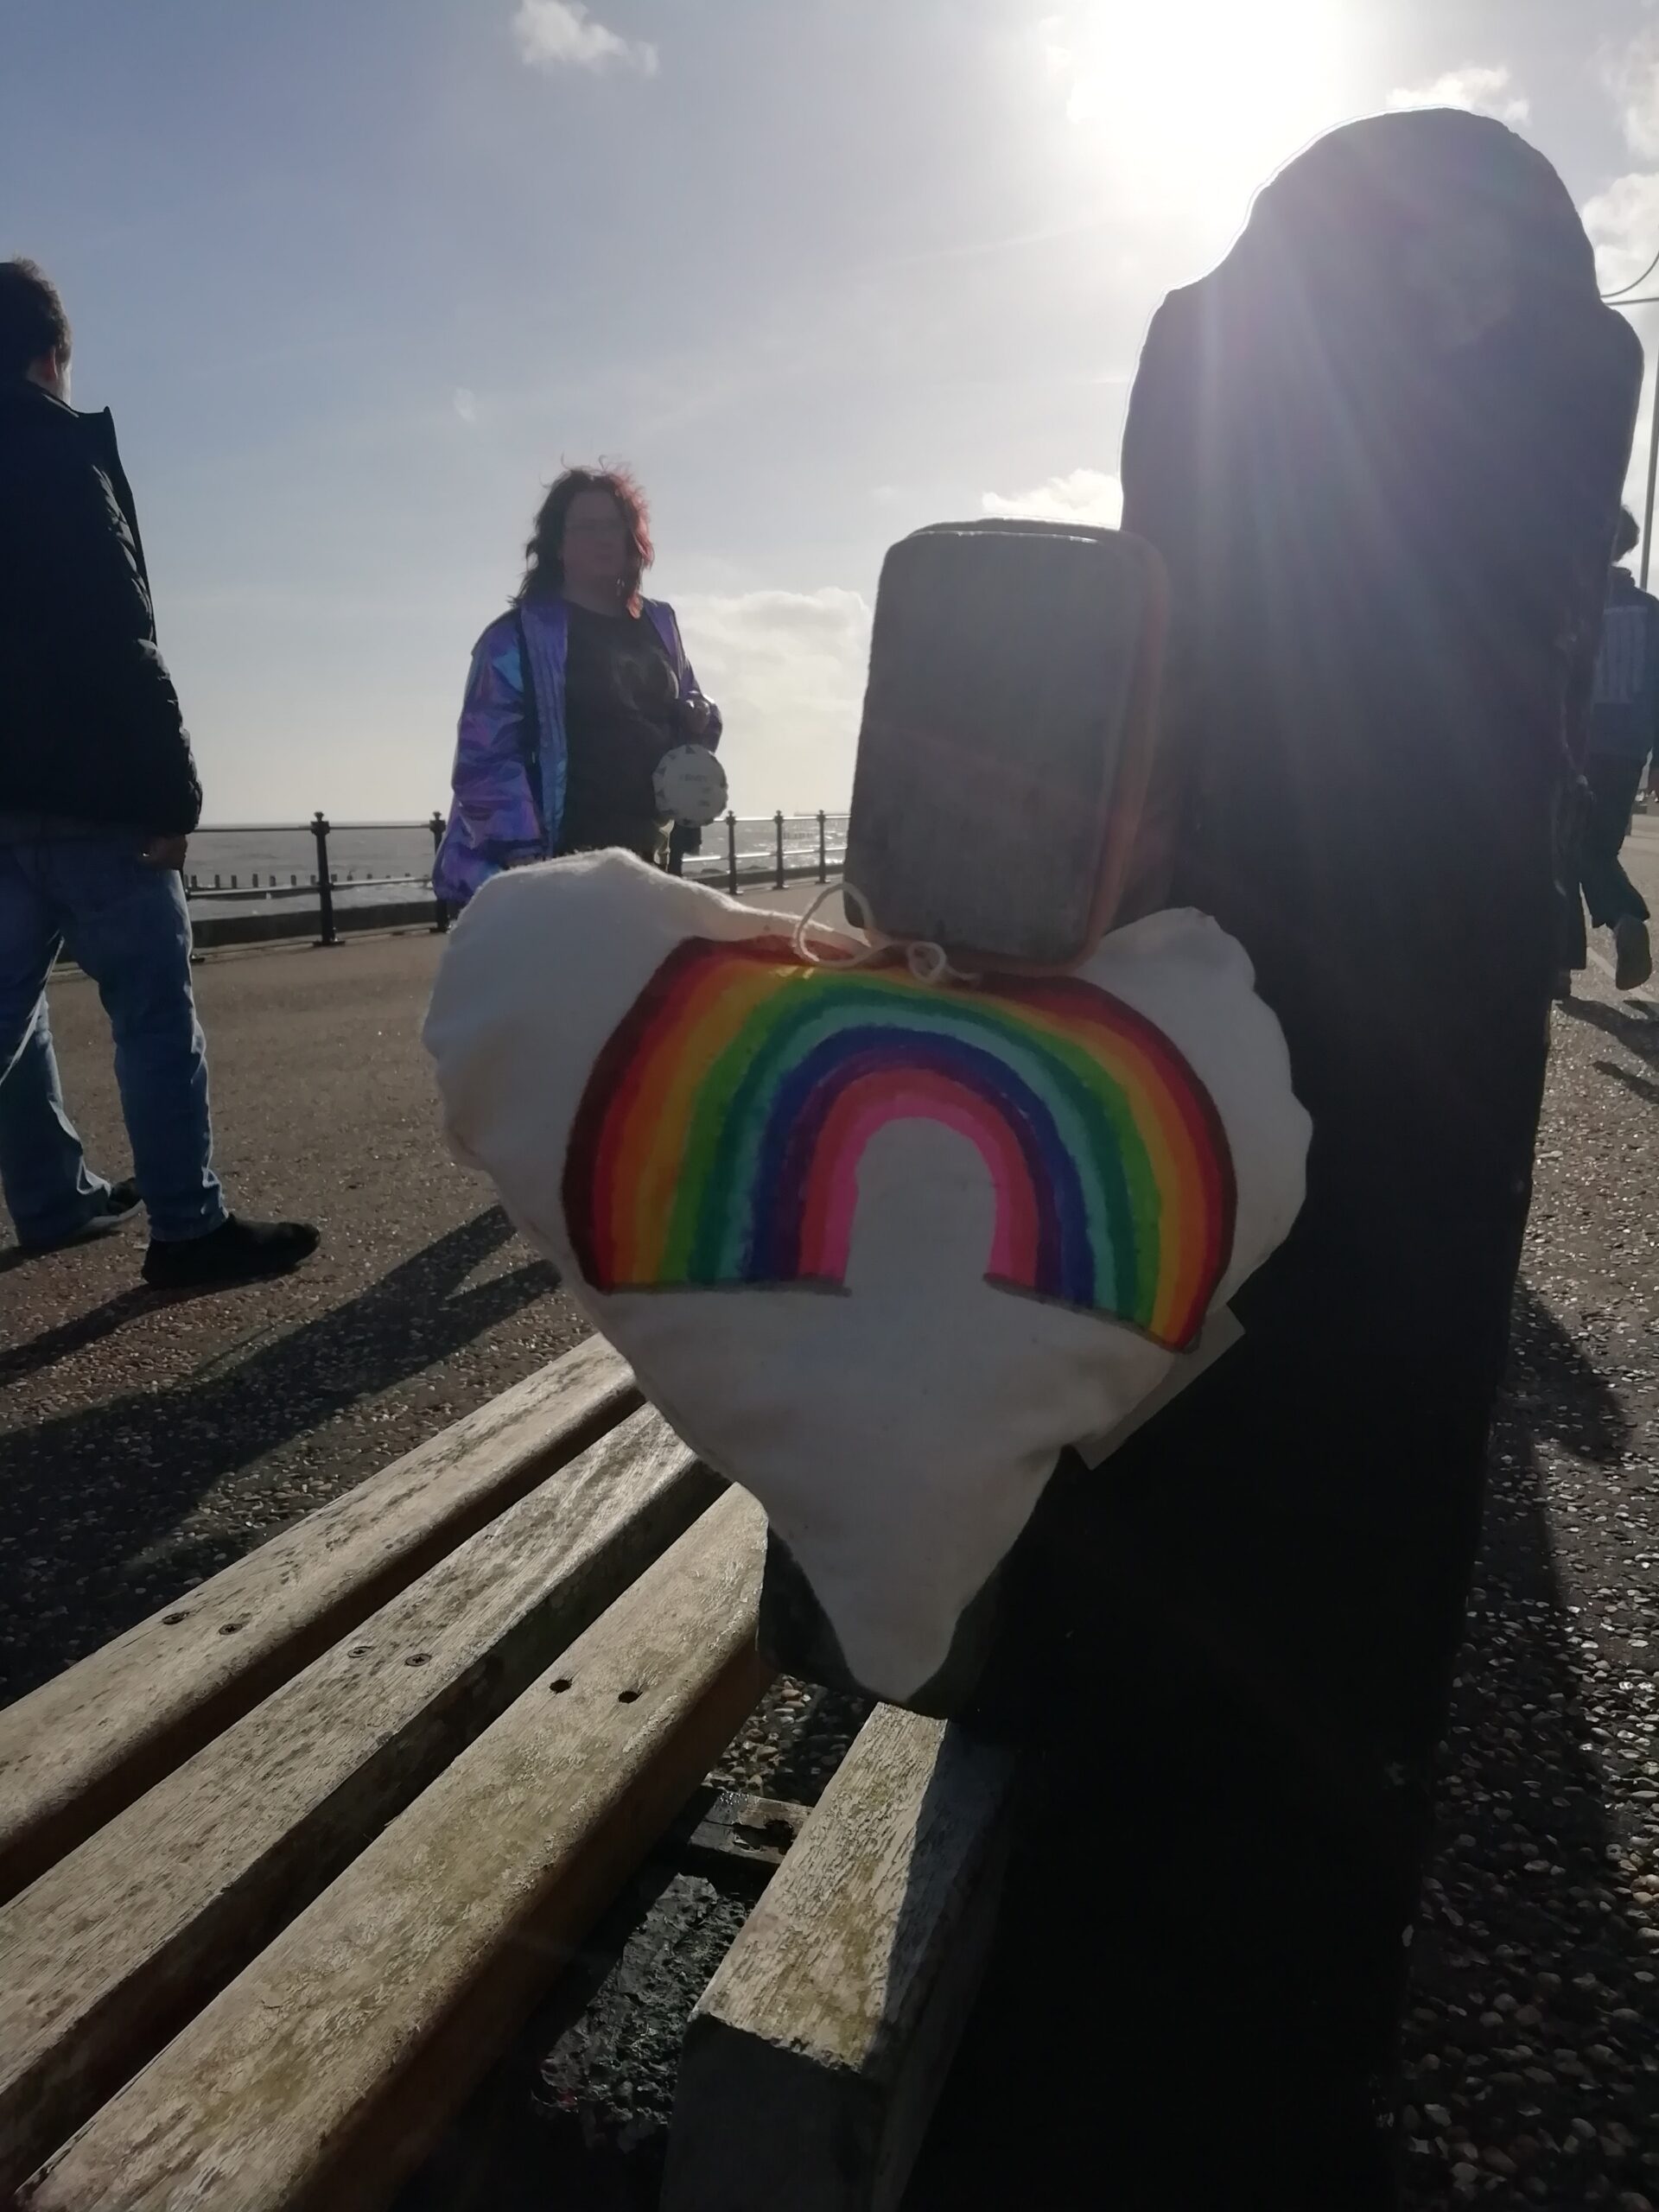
1622, 723
1380, 449
98, 794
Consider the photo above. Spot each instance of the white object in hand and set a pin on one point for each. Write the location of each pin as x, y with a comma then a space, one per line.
691, 785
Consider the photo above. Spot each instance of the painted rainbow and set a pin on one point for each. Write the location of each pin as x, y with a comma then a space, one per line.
719, 1138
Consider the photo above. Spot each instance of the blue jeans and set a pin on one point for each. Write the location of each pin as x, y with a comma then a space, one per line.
127, 926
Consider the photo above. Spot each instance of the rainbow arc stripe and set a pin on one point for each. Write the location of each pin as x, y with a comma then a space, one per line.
720, 1135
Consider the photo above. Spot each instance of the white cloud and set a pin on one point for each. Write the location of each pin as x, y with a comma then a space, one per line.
1053, 37
1480, 91
560, 34
466, 403
1632, 77
787, 669
1086, 495
1624, 219
1624, 226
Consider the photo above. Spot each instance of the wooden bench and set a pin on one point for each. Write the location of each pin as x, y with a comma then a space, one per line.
812, 2062
287, 1865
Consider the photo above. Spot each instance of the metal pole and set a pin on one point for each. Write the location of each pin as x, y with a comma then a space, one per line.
325, 890
441, 925
778, 819
1653, 473
731, 852
823, 850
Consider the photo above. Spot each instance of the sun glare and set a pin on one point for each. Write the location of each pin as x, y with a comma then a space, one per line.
1197, 103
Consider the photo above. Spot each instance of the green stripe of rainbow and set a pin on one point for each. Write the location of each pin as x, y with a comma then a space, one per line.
720, 1135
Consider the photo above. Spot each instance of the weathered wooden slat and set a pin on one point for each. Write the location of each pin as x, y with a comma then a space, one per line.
816, 2055
79, 1749
742, 1836
113, 1949
321, 2075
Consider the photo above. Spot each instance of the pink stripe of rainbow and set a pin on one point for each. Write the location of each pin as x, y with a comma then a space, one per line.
869, 1105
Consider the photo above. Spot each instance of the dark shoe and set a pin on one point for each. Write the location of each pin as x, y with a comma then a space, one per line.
1634, 953
1562, 991
116, 1208
237, 1251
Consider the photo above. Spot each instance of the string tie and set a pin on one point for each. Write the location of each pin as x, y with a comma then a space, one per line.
927, 962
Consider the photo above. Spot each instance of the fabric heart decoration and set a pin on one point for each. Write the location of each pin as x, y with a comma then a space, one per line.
878, 1247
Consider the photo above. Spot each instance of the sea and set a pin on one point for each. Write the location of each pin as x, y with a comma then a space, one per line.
229, 869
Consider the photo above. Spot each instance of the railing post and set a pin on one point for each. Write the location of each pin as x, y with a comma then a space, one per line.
823, 850
731, 852
440, 925
325, 889
778, 819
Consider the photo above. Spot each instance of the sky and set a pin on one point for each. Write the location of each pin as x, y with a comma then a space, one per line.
358, 275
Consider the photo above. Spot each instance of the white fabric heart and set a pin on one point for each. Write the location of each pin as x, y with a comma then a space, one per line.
879, 1247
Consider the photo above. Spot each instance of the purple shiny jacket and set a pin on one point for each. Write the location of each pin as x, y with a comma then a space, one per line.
509, 774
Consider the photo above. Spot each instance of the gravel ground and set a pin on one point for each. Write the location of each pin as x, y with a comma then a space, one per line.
795, 1739
1533, 2062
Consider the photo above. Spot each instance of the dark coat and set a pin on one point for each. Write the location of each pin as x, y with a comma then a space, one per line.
90, 724
1380, 449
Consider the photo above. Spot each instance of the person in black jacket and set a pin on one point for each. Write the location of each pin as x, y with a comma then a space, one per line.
1379, 449
1624, 721
98, 792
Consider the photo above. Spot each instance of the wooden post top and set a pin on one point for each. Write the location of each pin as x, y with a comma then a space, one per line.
1007, 737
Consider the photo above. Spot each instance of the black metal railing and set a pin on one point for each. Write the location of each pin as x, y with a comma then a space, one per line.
798, 848
741, 851
288, 895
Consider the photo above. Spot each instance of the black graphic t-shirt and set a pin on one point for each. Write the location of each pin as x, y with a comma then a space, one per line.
620, 694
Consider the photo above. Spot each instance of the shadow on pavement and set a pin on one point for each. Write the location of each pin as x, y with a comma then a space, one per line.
1525, 1994
71, 1337
83, 1497
1525, 2056
1638, 1028
1638, 1083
